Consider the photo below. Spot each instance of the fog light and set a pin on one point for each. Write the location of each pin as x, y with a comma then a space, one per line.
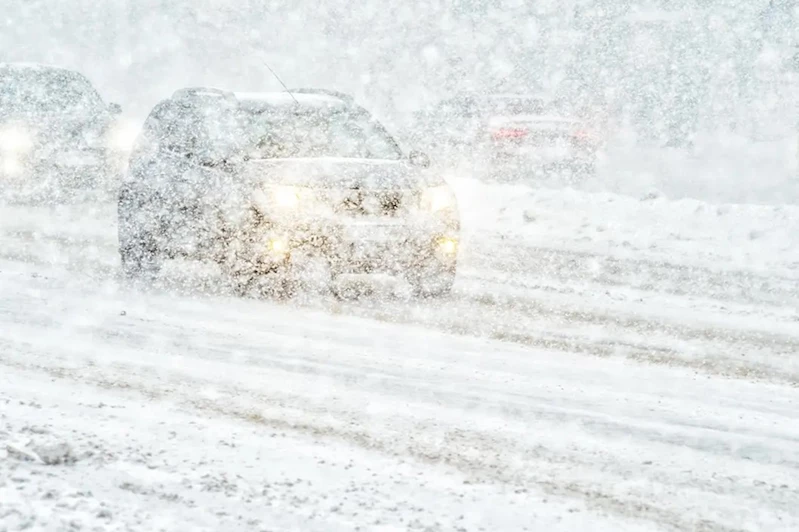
448, 246
12, 167
278, 246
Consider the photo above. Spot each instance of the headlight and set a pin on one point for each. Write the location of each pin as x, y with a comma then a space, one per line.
286, 197
447, 246
15, 139
11, 166
289, 198
122, 136
436, 199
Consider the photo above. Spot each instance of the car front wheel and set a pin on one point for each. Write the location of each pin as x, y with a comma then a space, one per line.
432, 279
140, 259
269, 285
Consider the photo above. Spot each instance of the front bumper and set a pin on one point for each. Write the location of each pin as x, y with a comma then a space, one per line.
350, 245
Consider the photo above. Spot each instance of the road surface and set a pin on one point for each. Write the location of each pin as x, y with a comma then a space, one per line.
561, 387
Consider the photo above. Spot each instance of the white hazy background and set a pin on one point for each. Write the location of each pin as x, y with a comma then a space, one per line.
715, 68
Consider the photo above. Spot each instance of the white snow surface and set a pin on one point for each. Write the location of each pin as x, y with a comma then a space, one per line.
607, 362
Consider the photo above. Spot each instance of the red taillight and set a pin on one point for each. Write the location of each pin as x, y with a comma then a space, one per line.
509, 133
585, 137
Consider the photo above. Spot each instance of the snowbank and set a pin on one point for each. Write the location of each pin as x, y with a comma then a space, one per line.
756, 238
720, 168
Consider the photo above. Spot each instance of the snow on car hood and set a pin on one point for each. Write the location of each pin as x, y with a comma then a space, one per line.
58, 128
335, 172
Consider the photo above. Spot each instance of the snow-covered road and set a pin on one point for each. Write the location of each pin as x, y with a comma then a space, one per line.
576, 380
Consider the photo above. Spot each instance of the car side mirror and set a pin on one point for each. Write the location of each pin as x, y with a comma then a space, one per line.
419, 158
794, 61
114, 108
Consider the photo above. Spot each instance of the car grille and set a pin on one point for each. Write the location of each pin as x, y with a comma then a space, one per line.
359, 202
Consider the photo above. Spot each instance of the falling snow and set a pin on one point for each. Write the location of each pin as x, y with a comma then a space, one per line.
464, 265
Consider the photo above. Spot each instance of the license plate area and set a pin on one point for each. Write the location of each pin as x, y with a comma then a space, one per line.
370, 204
372, 233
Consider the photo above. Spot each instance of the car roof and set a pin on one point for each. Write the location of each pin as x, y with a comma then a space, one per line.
498, 96
34, 66
510, 95
487, 97
38, 67
261, 101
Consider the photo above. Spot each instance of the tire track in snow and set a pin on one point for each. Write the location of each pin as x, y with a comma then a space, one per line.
492, 259
458, 401
480, 310
482, 457
521, 262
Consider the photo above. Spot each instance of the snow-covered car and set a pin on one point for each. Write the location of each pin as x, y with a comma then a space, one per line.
511, 134
266, 184
56, 130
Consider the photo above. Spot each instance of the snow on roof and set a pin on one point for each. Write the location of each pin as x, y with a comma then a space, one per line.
505, 95
532, 119
512, 95
660, 15
33, 66
278, 99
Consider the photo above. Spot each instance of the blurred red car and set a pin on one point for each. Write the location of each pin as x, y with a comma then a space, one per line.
514, 133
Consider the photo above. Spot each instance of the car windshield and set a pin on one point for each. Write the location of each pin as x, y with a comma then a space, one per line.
321, 134
46, 91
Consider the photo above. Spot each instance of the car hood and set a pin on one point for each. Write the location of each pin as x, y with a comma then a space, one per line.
330, 172
59, 128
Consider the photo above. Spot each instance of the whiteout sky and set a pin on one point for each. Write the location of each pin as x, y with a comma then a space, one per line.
714, 67
393, 54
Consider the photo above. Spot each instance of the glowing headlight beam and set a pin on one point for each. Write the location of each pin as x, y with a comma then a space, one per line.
123, 136
437, 199
11, 167
290, 198
286, 197
278, 246
448, 246
15, 139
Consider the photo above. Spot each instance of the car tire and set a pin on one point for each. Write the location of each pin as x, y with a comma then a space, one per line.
270, 286
348, 292
138, 250
140, 260
140, 257
432, 279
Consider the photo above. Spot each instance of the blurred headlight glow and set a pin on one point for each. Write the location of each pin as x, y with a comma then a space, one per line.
448, 246
437, 199
11, 166
286, 197
278, 246
123, 135
291, 198
15, 139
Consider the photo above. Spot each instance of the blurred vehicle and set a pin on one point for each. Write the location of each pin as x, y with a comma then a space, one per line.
270, 184
511, 134
56, 130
